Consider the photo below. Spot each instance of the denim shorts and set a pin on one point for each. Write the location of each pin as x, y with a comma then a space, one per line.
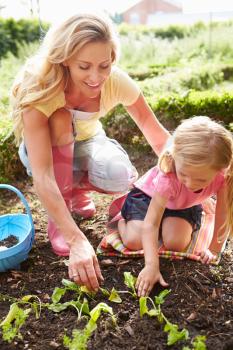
137, 202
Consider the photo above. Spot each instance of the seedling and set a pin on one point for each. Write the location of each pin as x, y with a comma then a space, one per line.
17, 316
174, 335
198, 343
130, 281
58, 293
80, 337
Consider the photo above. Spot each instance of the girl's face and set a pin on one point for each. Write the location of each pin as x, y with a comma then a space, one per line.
90, 67
194, 177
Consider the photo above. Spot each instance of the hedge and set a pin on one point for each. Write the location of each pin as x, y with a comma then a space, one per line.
10, 165
13, 33
170, 110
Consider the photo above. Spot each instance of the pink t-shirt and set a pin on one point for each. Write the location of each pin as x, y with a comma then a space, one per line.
168, 186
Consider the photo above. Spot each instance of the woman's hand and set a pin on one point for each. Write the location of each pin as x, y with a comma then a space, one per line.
84, 267
149, 275
207, 256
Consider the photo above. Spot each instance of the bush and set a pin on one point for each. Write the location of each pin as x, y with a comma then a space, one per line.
10, 165
170, 110
13, 33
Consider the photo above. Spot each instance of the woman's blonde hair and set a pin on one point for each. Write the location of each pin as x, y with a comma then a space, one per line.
44, 76
200, 141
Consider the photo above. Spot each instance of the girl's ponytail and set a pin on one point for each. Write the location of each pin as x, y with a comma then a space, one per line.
166, 162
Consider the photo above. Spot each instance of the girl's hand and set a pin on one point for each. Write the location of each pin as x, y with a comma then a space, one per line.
84, 267
149, 275
207, 256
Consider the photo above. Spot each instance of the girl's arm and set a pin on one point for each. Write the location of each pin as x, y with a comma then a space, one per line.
219, 235
150, 232
151, 128
39, 148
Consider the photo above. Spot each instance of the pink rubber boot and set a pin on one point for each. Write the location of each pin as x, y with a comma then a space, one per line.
82, 204
63, 170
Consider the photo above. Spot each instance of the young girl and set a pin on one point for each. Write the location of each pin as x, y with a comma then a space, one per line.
167, 199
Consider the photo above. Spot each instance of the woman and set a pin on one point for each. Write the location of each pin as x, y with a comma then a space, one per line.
58, 99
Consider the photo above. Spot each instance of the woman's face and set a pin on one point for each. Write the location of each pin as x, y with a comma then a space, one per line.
90, 67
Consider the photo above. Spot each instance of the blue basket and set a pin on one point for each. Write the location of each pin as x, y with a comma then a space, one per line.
21, 226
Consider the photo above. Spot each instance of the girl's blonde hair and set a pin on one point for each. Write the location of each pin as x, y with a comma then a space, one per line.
44, 76
200, 141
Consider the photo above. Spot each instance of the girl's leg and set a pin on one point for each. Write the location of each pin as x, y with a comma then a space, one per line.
176, 233
130, 233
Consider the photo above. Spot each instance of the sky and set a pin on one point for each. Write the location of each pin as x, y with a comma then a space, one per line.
56, 10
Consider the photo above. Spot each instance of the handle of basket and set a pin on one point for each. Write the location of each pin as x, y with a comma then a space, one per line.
23, 199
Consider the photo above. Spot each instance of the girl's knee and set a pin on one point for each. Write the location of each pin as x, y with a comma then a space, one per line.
60, 125
174, 245
176, 233
130, 235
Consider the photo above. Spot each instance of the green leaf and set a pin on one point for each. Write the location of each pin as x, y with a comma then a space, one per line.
69, 284
114, 296
130, 281
153, 312
79, 340
174, 335
143, 306
14, 320
12, 314
57, 294
199, 342
85, 290
105, 292
96, 311
161, 297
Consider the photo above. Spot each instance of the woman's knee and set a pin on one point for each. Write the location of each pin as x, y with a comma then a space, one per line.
115, 175
61, 129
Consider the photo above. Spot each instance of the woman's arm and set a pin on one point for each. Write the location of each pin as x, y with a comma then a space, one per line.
154, 132
39, 148
150, 232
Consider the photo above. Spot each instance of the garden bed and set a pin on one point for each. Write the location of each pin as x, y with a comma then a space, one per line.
200, 300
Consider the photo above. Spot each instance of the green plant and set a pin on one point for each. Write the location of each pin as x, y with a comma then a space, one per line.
17, 316
80, 305
130, 281
80, 337
174, 335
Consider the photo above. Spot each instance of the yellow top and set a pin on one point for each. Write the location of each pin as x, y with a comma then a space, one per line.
119, 88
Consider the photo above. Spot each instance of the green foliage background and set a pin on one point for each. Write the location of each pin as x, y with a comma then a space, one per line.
179, 69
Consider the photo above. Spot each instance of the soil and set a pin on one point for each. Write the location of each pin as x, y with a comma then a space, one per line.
8, 242
201, 298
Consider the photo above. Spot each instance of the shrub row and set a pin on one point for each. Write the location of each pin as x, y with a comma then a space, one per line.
171, 31
170, 110
204, 74
10, 165
13, 33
